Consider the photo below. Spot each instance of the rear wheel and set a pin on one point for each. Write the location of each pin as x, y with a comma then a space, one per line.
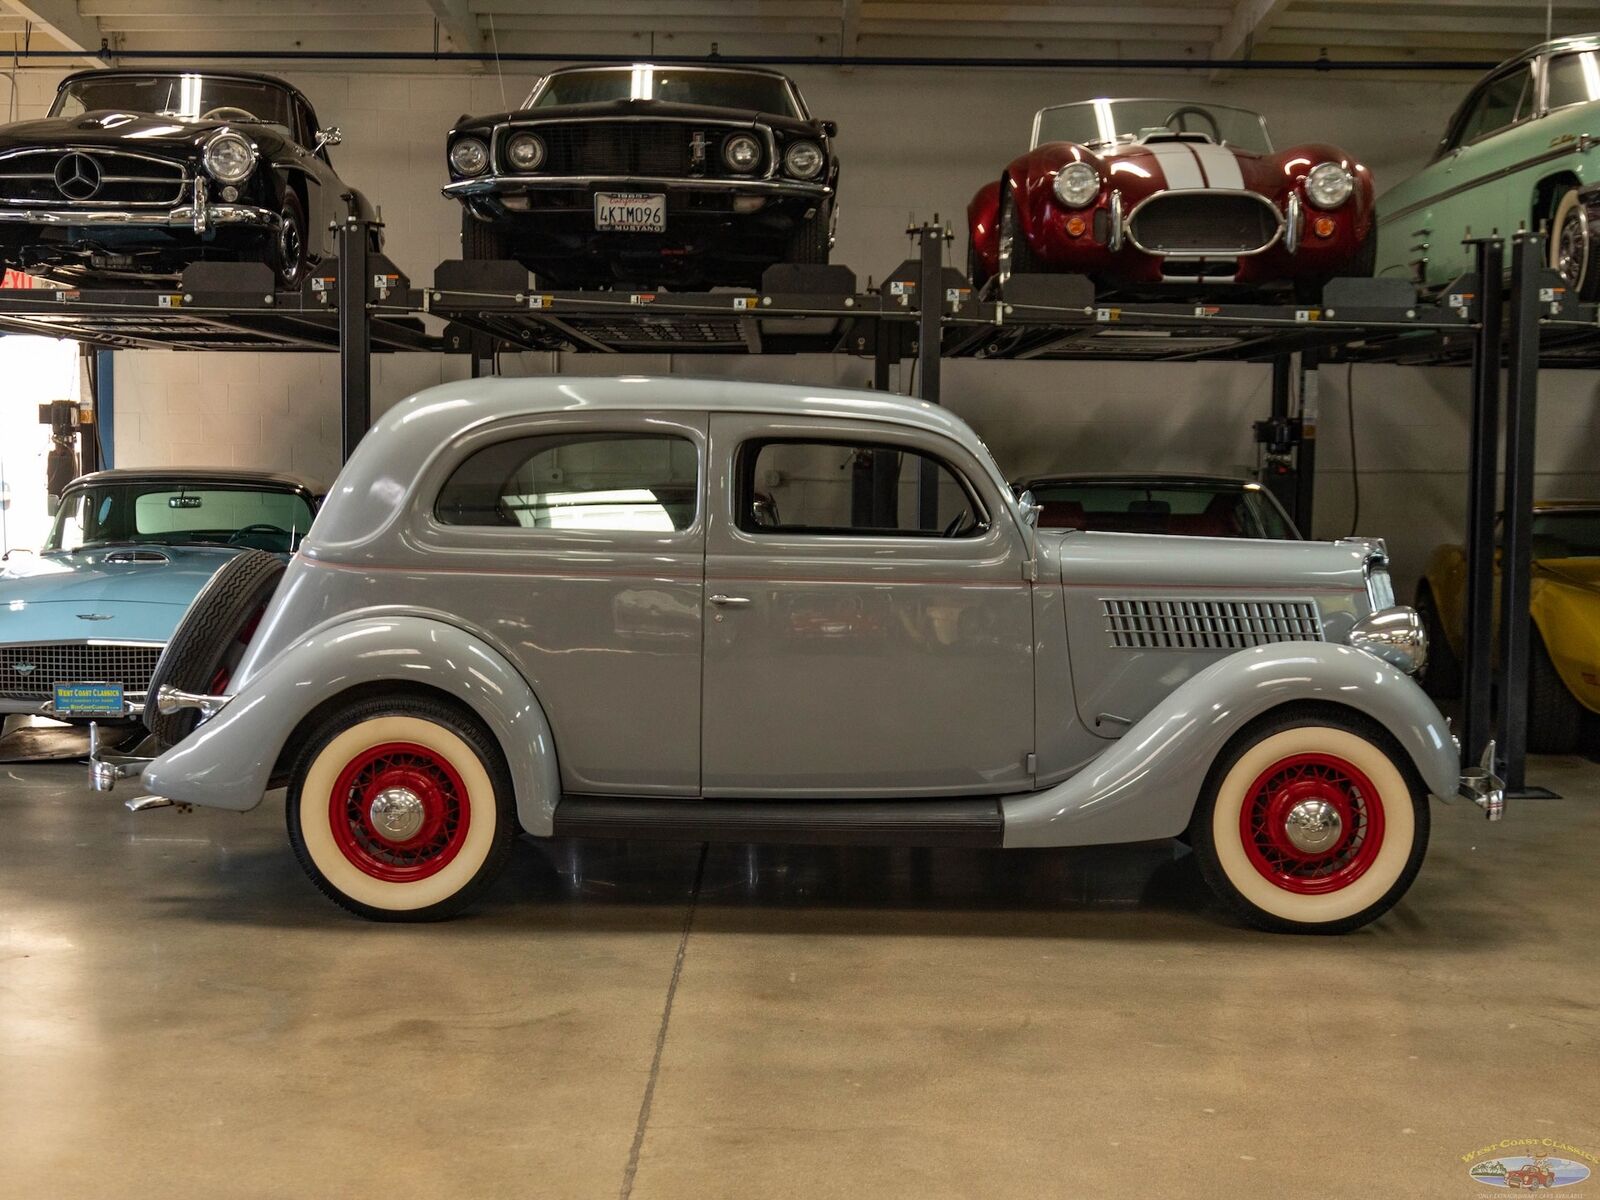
1574, 250
401, 809
1310, 823
209, 642
1555, 718
1016, 256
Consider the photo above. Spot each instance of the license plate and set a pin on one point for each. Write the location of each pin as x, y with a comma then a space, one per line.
630, 212
90, 700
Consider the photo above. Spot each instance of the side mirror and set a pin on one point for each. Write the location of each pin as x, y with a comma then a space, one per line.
829, 128
331, 136
1030, 509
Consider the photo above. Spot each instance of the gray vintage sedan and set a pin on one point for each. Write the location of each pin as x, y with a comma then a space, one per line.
675, 608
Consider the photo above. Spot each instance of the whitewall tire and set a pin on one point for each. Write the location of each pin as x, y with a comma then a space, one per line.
1311, 823
400, 809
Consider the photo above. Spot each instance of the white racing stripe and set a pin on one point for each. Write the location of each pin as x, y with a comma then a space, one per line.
1178, 164
1220, 166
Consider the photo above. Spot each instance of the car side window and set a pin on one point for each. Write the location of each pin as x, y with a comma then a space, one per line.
1499, 103
607, 481
851, 488
1573, 79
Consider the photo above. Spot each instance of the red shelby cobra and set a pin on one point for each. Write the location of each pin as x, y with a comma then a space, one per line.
1156, 195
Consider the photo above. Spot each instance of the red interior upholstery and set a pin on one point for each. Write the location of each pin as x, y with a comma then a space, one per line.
1061, 514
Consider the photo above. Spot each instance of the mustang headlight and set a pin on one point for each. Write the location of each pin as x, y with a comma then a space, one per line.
803, 160
741, 152
229, 158
525, 151
469, 156
1077, 184
1329, 185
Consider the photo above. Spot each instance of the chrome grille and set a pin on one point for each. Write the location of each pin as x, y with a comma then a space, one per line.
126, 180
1205, 624
626, 148
129, 664
1204, 223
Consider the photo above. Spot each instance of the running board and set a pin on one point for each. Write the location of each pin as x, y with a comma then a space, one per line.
962, 822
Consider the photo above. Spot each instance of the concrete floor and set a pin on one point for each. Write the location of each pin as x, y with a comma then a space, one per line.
181, 1014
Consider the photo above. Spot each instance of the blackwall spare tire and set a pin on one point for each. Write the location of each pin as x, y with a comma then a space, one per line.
211, 638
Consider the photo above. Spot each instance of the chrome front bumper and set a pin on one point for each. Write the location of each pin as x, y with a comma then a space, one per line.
186, 216
493, 185
1484, 788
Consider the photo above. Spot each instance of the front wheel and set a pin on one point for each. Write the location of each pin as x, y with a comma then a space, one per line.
1016, 256
290, 252
401, 809
812, 239
1310, 823
481, 241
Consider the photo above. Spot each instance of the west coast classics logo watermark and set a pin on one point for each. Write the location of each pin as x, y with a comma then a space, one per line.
1530, 1164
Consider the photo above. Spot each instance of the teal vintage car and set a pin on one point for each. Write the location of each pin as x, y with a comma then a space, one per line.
83, 622
1521, 152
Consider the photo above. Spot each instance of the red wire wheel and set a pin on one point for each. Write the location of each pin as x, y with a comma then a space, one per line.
431, 784
1306, 779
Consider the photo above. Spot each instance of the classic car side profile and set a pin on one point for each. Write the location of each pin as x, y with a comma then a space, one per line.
1519, 153
1189, 505
1564, 605
655, 608
128, 552
652, 175
1172, 195
136, 174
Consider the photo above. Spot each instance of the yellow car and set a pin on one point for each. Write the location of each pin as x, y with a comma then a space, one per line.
1564, 601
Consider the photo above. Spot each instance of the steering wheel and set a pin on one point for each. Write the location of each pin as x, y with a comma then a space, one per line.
259, 527
1187, 110
228, 112
956, 522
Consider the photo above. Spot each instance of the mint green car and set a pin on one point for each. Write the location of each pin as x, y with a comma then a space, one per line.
1522, 152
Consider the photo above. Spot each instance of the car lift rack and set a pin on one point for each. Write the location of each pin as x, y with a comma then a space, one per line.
363, 304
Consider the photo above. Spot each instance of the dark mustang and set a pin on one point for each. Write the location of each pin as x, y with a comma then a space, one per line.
137, 174
648, 175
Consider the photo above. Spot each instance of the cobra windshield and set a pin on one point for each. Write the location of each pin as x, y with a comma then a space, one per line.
1107, 123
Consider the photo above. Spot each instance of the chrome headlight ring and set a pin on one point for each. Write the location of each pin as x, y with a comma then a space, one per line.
1395, 635
469, 156
229, 157
1329, 184
1077, 185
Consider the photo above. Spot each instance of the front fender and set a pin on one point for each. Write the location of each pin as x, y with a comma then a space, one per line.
1146, 785
227, 762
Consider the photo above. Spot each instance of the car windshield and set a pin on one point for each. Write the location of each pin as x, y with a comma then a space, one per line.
748, 91
167, 514
1193, 510
183, 97
1106, 123
1574, 534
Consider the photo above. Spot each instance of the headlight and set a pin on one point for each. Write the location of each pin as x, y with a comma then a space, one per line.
525, 151
1077, 184
469, 156
1395, 635
803, 160
1329, 185
229, 158
741, 152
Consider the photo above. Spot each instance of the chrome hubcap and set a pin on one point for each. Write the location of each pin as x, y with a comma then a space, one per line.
396, 814
1313, 826
1572, 245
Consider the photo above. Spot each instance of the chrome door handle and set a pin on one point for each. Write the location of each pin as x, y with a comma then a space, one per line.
722, 601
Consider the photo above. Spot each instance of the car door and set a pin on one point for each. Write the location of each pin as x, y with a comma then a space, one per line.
859, 642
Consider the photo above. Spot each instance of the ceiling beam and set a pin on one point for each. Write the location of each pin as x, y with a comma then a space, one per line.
1250, 19
456, 19
850, 28
62, 21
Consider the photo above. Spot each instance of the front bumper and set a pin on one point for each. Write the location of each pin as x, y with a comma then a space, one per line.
196, 217
1484, 788
501, 185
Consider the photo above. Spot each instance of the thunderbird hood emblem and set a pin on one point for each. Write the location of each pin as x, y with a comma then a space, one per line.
94, 616
23, 668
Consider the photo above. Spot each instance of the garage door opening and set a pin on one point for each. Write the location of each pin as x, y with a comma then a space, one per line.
37, 371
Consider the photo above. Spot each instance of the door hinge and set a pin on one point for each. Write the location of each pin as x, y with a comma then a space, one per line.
1030, 763
1030, 570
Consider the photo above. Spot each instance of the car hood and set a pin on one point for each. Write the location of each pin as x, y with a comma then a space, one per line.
1575, 572
90, 577
622, 109
113, 130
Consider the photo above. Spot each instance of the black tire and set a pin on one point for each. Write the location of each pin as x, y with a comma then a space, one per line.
1379, 868
341, 853
481, 241
1573, 246
1555, 718
289, 251
812, 240
210, 640
1441, 674
1016, 255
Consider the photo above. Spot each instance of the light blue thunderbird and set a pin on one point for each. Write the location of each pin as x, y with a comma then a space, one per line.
83, 622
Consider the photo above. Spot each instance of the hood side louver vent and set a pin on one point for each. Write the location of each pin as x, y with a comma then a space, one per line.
1208, 624
137, 556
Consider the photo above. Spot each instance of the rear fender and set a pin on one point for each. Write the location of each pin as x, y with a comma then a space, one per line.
228, 761
1146, 785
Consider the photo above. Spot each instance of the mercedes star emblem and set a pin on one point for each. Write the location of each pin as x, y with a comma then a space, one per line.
77, 176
